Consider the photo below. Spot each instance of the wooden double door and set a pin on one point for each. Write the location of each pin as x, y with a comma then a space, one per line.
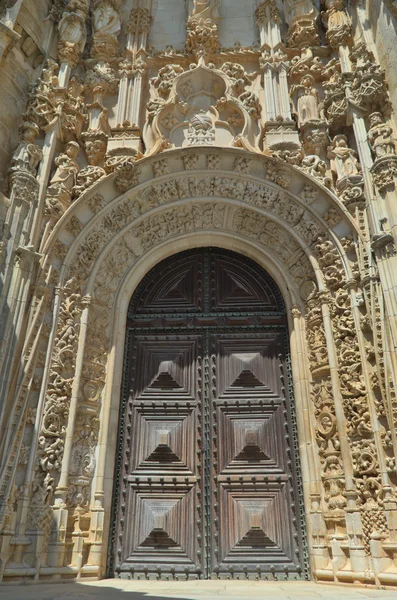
207, 479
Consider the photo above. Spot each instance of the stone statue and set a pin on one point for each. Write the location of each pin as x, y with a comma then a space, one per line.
337, 23
202, 30
5, 5
206, 9
106, 28
308, 100
27, 155
72, 31
106, 19
64, 178
380, 136
343, 159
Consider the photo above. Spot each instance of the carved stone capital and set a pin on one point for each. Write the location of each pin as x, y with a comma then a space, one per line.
384, 173
139, 21
24, 187
383, 245
267, 10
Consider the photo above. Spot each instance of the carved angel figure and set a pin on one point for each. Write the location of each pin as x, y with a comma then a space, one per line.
308, 100
380, 136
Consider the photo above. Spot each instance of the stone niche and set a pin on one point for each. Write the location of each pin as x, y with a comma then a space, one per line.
202, 110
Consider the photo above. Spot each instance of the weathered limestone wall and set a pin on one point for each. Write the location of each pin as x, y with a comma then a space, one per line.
20, 66
168, 27
382, 21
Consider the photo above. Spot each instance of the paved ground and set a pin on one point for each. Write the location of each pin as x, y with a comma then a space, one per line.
191, 590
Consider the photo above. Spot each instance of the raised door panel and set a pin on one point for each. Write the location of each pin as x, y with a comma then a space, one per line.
255, 529
159, 527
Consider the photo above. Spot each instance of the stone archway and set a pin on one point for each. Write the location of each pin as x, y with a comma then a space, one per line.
207, 479
98, 253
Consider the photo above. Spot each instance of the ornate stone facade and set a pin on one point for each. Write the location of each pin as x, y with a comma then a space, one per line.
131, 146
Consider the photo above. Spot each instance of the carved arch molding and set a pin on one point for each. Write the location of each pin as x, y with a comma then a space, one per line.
301, 234
208, 476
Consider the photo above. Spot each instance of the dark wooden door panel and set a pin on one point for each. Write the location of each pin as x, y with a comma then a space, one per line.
254, 525
160, 489
207, 482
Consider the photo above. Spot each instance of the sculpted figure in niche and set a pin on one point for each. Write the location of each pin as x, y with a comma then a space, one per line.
27, 155
72, 30
343, 159
206, 9
106, 28
106, 19
380, 136
308, 100
64, 178
337, 21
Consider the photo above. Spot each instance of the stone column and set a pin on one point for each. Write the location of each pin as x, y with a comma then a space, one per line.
126, 137
278, 123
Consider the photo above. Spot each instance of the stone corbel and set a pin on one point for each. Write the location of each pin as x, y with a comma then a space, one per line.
281, 135
8, 39
301, 17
